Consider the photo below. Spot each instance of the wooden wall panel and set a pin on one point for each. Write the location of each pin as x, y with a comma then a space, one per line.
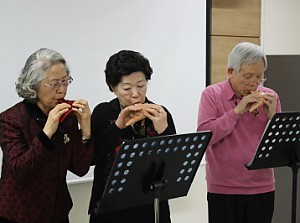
232, 21
236, 17
220, 48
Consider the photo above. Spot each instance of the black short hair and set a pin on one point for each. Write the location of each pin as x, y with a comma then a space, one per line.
124, 63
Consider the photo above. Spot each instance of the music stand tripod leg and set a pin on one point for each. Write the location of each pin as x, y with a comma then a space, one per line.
157, 187
156, 209
294, 165
294, 193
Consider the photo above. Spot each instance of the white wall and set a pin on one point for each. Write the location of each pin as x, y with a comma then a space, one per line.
280, 26
170, 33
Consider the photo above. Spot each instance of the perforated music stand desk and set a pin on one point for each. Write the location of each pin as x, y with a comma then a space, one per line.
280, 146
150, 170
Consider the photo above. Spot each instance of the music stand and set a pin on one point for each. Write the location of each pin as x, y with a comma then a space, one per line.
154, 169
280, 146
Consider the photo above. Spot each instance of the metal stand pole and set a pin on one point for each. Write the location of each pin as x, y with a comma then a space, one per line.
156, 209
294, 193
157, 187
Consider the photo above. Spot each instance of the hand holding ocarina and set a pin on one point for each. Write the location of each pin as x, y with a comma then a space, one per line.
65, 115
258, 103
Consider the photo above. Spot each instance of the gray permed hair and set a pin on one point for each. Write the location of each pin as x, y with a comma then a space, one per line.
35, 70
245, 53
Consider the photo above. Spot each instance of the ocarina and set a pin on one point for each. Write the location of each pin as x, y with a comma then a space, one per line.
65, 115
259, 103
138, 115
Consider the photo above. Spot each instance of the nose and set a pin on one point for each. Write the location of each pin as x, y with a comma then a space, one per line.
62, 87
135, 92
253, 83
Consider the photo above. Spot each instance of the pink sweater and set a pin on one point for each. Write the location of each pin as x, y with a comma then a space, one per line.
233, 144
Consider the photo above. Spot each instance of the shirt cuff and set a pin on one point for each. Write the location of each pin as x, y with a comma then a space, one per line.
233, 115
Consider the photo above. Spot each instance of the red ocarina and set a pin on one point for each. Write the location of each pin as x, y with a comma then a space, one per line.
65, 115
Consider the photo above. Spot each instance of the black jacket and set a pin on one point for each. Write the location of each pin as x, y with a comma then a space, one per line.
107, 139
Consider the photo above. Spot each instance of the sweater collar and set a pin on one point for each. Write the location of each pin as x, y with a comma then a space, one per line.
228, 93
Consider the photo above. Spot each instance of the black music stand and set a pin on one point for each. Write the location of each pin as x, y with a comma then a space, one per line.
280, 146
151, 170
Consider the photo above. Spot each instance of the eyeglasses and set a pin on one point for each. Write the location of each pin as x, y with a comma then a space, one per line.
250, 80
57, 85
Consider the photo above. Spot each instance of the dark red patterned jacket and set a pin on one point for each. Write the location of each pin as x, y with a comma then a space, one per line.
33, 186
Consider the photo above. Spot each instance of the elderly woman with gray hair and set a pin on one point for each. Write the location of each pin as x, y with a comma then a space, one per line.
40, 143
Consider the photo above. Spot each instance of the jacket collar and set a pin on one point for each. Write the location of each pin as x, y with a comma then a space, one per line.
36, 112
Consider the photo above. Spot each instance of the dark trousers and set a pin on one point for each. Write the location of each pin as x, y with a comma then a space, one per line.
256, 208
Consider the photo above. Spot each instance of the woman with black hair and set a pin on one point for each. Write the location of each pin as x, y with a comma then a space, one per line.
127, 74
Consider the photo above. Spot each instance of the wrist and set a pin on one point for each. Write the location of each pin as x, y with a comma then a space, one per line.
118, 125
237, 111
